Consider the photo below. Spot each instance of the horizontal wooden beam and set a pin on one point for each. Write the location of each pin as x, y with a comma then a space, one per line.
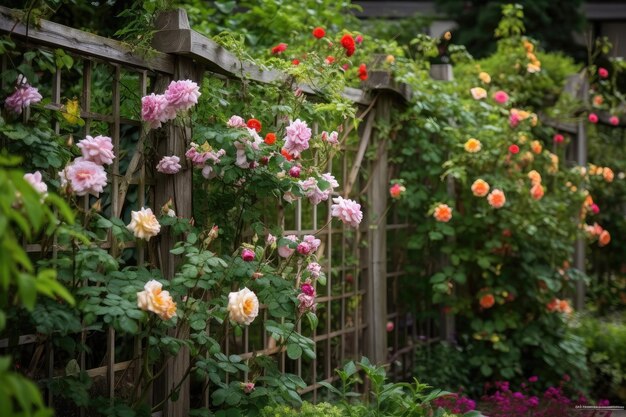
79, 42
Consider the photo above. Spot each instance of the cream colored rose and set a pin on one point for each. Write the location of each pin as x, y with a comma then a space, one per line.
154, 299
243, 306
478, 93
144, 224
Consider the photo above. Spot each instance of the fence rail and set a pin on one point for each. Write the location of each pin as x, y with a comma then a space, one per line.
356, 308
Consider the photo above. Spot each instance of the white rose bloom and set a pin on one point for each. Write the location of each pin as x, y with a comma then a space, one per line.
243, 306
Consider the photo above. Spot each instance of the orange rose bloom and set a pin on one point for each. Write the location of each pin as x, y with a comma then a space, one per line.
487, 301
536, 147
608, 175
536, 192
270, 138
564, 307
597, 100
496, 198
480, 188
605, 238
535, 177
472, 145
443, 213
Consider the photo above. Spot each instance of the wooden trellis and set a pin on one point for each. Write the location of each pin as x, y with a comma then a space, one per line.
359, 298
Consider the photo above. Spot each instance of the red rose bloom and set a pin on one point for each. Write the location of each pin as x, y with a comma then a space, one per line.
330, 60
347, 41
254, 124
363, 72
280, 48
319, 32
286, 154
514, 149
296, 62
270, 138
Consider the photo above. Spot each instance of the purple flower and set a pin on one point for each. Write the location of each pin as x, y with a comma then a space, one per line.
155, 110
533, 401
297, 139
348, 211
182, 95
169, 165
98, 150
23, 96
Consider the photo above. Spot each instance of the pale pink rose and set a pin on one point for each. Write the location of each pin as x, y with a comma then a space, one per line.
303, 248
23, 96
98, 150
286, 251
86, 177
390, 326
315, 269
330, 178
514, 120
236, 121
333, 138
290, 197
182, 95
270, 239
155, 110
313, 192
348, 211
169, 165
307, 303
35, 180
297, 139
500, 97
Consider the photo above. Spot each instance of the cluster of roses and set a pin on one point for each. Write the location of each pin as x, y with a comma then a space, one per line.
347, 42
598, 101
86, 174
179, 96
534, 65
559, 306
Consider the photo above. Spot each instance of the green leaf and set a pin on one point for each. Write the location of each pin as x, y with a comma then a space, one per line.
294, 351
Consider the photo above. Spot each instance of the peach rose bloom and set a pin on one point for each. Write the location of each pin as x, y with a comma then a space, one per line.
555, 164
484, 77
564, 307
480, 188
533, 67
605, 238
478, 93
443, 213
535, 177
496, 198
608, 174
528, 46
487, 301
598, 100
243, 306
144, 224
536, 147
154, 299
536, 192
472, 145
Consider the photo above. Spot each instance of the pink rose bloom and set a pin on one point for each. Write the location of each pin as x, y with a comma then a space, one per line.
98, 150
307, 303
501, 97
595, 208
294, 171
348, 211
247, 255
236, 121
247, 387
182, 95
315, 269
593, 118
35, 180
169, 165
333, 138
307, 289
603, 72
390, 326
155, 110
514, 119
304, 248
312, 242
558, 138
86, 177
358, 39
23, 96
286, 251
313, 192
330, 178
270, 239
297, 139
614, 120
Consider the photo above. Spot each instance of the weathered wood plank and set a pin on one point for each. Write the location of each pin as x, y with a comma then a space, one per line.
80, 42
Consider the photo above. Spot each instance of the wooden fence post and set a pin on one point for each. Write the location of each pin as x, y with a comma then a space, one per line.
178, 189
376, 307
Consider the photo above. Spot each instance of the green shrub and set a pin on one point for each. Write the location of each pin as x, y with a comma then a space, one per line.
443, 365
307, 410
